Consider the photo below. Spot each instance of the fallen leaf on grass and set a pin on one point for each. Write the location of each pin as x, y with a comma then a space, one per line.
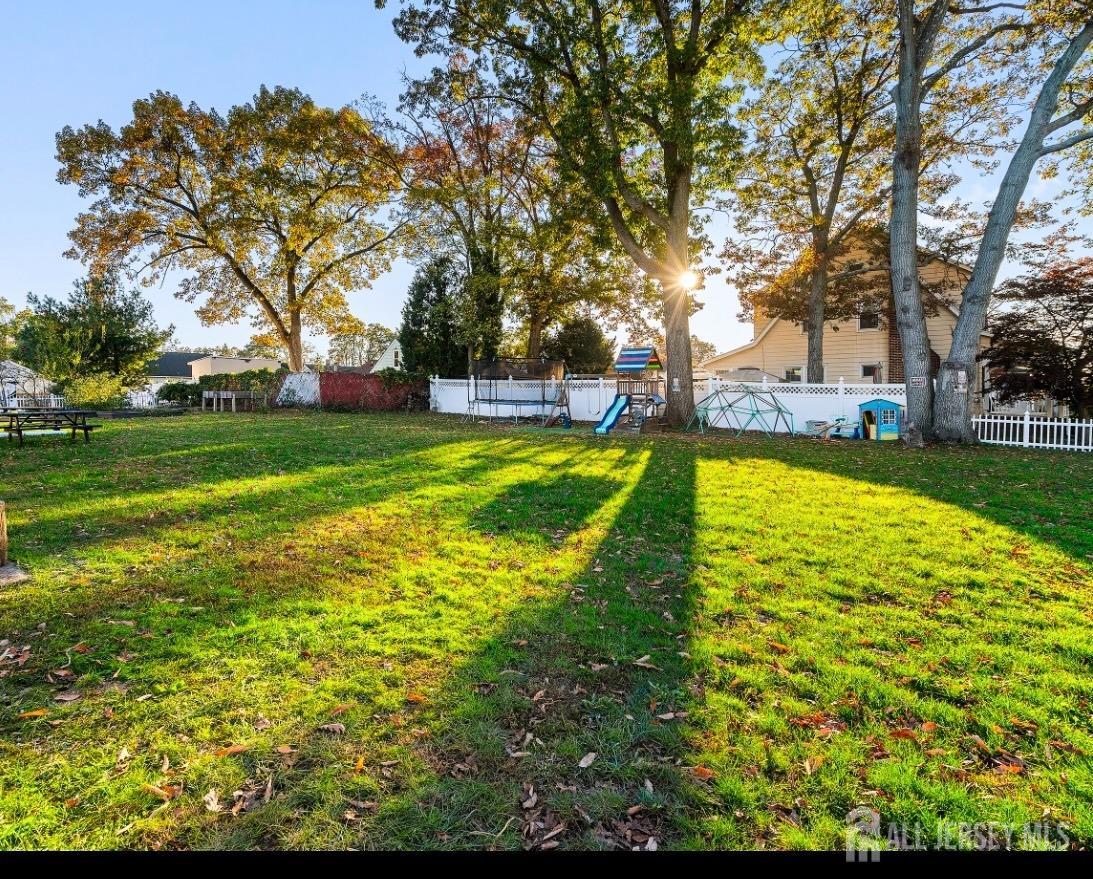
416, 698
779, 647
212, 800
37, 712
340, 709
904, 733
587, 760
358, 767
231, 749
68, 696
72, 802
645, 662
702, 772
166, 793
335, 729
929, 726
285, 749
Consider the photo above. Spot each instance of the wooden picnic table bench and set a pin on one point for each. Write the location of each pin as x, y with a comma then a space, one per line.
19, 422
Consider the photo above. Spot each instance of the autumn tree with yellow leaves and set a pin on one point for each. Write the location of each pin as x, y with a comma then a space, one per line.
273, 212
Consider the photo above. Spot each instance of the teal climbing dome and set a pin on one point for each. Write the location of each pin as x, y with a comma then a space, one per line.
743, 409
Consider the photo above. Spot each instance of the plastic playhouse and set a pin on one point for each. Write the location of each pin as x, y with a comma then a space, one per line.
880, 419
638, 405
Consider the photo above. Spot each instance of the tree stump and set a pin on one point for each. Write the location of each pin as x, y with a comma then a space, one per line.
9, 573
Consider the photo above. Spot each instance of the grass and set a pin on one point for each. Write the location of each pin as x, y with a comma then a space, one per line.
297, 631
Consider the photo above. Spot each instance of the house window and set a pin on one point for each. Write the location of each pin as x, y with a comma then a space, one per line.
871, 372
794, 373
887, 416
869, 320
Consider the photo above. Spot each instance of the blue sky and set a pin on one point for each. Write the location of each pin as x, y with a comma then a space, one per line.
72, 63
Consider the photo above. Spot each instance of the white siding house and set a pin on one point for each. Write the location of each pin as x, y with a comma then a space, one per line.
391, 358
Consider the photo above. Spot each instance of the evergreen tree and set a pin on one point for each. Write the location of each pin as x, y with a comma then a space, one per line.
101, 329
429, 334
582, 345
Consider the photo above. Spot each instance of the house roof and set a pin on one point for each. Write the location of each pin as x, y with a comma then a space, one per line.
770, 323
172, 363
637, 360
200, 356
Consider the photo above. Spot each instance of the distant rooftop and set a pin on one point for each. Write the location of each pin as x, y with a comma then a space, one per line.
173, 363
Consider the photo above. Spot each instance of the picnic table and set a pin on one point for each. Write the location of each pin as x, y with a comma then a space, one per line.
19, 422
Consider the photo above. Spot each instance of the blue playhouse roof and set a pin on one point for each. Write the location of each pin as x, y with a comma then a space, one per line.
637, 360
880, 403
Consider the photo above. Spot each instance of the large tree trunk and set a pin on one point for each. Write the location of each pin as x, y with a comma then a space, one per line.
295, 342
535, 334
817, 295
679, 382
956, 380
903, 245
676, 304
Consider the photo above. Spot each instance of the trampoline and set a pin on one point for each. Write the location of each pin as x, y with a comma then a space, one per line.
517, 387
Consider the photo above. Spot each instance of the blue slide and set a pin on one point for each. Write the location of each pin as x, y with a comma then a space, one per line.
611, 417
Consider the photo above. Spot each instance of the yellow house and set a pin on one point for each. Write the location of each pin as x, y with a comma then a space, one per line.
865, 350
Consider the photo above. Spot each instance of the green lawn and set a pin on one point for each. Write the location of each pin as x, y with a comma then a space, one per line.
302, 631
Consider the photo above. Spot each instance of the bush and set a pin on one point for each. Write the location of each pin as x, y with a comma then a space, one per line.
97, 390
183, 393
262, 380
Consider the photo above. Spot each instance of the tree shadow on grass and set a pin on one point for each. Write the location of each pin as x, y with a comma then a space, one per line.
866, 643
1045, 495
228, 634
564, 720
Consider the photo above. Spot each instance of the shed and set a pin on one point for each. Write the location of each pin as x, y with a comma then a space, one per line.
880, 419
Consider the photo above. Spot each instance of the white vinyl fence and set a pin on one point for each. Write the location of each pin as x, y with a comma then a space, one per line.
589, 399
37, 401
1035, 431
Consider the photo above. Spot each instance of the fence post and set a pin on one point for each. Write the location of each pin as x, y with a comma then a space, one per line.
709, 386
3, 535
1025, 428
842, 397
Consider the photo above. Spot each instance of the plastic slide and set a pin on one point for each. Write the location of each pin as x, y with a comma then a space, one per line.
611, 417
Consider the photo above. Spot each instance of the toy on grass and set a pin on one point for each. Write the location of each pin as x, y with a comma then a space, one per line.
743, 409
836, 428
638, 401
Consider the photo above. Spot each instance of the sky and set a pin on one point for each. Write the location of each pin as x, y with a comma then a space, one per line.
73, 63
